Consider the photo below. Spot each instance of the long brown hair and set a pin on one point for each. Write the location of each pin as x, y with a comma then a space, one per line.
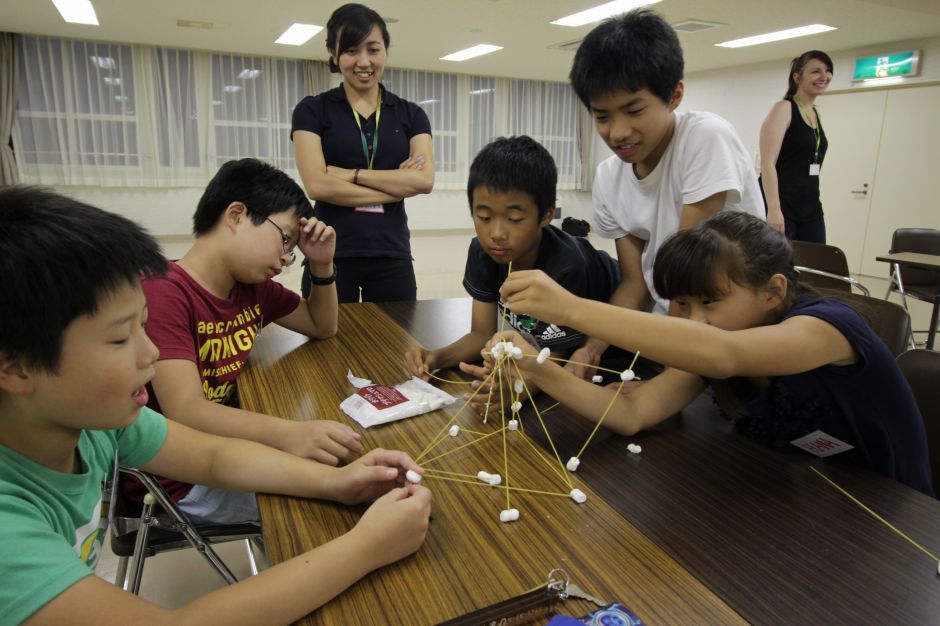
797, 65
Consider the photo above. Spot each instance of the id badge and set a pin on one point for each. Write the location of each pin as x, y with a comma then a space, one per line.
814, 169
820, 444
378, 208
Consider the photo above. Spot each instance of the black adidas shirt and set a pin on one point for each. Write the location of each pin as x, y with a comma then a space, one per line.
572, 262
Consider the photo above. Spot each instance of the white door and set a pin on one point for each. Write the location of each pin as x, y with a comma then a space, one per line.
852, 122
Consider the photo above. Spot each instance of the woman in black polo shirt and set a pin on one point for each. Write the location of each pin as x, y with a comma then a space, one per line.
361, 150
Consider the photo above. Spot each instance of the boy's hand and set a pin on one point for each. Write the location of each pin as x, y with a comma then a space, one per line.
325, 441
525, 364
419, 362
584, 354
372, 475
532, 292
395, 525
317, 241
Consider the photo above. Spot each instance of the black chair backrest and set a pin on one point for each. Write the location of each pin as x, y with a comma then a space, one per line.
922, 370
925, 240
889, 320
819, 256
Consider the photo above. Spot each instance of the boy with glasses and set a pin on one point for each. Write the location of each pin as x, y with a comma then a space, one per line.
207, 310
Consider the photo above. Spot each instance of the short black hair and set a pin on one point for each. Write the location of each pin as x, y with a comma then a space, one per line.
350, 24
515, 163
262, 188
59, 260
633, 51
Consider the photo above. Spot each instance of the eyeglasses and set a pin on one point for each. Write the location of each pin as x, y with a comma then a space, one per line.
286, 243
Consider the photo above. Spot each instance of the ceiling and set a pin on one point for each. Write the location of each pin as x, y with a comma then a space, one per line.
425, 30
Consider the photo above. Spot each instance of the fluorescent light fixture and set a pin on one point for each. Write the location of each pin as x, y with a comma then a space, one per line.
104, 63
426, 101
888, 80
121, 98
601, 12
469, 53
114, 81
77, 11
217, 103
298, 34
477, 92
790, 33
248, 74
231, 88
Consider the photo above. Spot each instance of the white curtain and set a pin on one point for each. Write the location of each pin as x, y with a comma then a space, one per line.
107, 114
8, 71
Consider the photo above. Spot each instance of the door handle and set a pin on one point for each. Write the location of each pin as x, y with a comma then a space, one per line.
863, 191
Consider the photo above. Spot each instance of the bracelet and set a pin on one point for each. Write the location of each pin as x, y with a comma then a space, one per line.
321, 281
356, 177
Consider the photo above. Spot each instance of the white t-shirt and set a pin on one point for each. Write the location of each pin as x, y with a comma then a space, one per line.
705, 157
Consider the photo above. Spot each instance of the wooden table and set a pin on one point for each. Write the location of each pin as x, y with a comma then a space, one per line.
921, 261
703, 527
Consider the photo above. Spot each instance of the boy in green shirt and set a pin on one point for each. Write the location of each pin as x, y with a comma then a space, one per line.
74, 364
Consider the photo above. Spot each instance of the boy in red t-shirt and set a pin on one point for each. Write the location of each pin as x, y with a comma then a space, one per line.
207, 310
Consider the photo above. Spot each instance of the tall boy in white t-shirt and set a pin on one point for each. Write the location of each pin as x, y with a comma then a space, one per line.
670, 170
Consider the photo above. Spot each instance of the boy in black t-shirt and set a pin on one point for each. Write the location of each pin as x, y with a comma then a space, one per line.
511, 191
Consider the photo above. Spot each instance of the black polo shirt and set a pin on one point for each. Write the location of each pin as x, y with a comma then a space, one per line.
329, 115
572, 262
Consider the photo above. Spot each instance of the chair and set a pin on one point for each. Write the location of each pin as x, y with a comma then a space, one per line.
825, 266
922, 370
910, 281
889, 320
137, 533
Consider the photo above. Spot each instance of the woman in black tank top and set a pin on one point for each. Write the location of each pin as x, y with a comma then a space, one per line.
792, 148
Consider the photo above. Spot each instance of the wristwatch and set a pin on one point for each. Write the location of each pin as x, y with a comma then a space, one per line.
321, 281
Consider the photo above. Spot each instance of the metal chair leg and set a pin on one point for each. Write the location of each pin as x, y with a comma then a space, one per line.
140, 546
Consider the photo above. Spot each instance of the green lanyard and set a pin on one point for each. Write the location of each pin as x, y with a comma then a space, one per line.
815, 128
362, 135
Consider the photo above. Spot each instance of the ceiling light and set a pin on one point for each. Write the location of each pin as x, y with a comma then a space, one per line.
426, 101
298, 34
602, 11
231, 88
469, 53
790, 33
77, 11
477, 92
248, 74
104, 63
114, 81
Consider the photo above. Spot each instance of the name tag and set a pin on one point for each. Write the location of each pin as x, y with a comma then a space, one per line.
375, 208
820, 444
814, 169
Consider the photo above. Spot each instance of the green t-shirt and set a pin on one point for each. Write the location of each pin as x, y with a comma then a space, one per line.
51, 522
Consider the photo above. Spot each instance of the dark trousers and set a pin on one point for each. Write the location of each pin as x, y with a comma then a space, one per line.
813, 231
375, 279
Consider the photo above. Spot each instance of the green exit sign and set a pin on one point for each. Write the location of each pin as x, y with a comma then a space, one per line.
892, 65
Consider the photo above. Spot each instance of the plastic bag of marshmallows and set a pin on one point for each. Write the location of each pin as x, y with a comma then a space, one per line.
379, 404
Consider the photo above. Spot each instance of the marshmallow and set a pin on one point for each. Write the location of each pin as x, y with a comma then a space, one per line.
627, 375
492, 479
413, 476
513, 425
497, 351
543, 355
519, 386
454, 430
516, 352
509, 515
578, 496
635, 448
597, 379
573, 464
516, 406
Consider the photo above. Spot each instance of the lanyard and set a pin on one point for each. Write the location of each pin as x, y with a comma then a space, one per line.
815, 127
369, 154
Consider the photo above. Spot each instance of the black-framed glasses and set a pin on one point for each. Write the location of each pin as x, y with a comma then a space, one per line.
287, 244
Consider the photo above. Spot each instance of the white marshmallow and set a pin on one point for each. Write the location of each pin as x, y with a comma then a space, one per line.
495, 479
516, 353
454, 430
509, 515
484, 476
516, 406
597, 379
497, 351
578, 496
573, 464
635, 448
513, 425
543, 355
413, 476
518, 385
627, 375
